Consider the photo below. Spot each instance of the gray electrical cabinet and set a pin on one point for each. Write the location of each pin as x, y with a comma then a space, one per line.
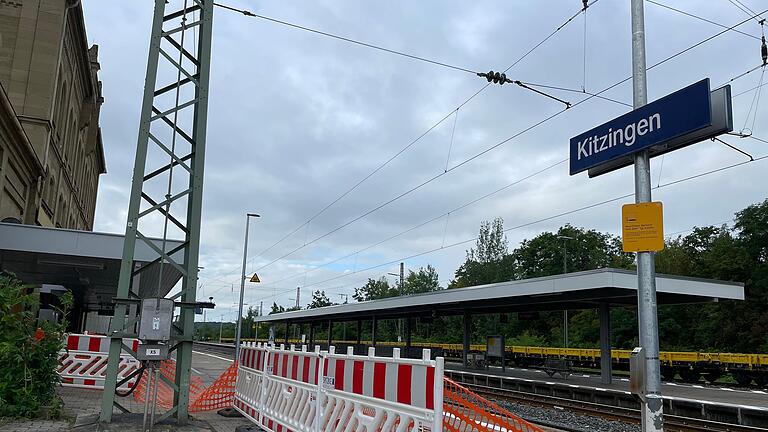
155, 319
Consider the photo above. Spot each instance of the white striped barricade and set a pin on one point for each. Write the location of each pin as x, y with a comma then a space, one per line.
381, 393
309, 391
277, 388
83, 363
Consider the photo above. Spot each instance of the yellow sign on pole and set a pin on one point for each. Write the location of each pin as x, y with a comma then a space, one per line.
255, 278
642, 227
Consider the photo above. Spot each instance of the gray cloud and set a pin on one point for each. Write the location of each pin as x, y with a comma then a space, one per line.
296, 119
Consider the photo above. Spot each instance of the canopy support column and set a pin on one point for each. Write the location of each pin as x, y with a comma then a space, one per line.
373, 331
467, 331
605, 343
408, 329
359, 332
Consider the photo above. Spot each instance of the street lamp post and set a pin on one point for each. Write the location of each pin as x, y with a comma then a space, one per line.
248, 217
221, 327
565, 270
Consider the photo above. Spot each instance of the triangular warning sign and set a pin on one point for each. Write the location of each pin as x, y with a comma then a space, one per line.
255, 278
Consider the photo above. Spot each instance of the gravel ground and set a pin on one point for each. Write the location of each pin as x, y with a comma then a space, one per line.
563, 418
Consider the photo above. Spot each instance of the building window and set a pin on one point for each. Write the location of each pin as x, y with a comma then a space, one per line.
71, 139
61, 109
50, 193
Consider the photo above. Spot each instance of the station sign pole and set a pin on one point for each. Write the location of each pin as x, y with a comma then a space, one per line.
652, 406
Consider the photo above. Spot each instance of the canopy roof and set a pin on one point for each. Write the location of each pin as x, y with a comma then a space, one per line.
580, 290
86, 262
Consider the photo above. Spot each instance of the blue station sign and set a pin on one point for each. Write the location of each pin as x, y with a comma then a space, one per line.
675, 115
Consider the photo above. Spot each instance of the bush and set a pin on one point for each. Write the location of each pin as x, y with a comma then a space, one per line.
28, 352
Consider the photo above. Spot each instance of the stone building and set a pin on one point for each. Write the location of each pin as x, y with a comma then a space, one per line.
51, 153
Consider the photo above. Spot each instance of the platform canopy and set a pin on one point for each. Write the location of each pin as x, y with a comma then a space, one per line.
579, 290
88, 263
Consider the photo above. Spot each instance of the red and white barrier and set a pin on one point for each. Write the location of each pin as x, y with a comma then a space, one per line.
84, 362
286, 390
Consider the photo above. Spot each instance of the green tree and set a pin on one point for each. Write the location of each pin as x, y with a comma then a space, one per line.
374, 290
276, 308
249, 323
581, 249
492, 244
319, 299
421, 281
752, 227
488, 261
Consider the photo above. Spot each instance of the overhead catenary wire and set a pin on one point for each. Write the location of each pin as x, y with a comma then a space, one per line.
450, 146
672, 234
446, 215
427, 222
584, 48
699, 18
545, 219
414, 141
489, 149
746, 9
754, 104
579, 209
342, 38
750, 89
503, 142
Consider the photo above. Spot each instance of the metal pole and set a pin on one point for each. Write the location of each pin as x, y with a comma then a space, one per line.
652, 408
408, 331
373, 331
170, 22
465, 340
565, 312
221, 327
154, 398
359, 332
565, 257
148, 391
565, 271
242, 288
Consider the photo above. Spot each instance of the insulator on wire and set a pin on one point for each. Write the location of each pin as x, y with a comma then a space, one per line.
764, 52
585, 3
494, 77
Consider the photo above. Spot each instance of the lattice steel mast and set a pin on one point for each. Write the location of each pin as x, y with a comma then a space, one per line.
166, 197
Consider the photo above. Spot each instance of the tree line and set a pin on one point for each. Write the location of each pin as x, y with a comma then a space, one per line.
737, 252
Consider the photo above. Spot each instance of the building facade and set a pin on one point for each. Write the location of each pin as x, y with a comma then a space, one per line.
51, 152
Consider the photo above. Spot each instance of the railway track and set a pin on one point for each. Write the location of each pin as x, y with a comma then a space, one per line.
610, 412
589, 408
225, 349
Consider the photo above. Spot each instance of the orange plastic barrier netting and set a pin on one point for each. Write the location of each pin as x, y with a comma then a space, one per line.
465, 411
219, 394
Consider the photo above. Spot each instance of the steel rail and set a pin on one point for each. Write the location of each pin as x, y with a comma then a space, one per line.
610, 412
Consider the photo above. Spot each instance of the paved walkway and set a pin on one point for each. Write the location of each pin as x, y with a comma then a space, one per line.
82, 407
81, 410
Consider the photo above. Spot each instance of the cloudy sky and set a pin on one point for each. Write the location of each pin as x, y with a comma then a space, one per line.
296, 119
